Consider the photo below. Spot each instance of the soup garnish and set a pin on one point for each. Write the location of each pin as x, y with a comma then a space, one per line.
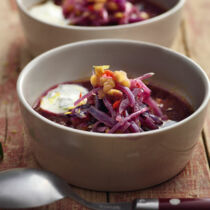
114, 104
96, 12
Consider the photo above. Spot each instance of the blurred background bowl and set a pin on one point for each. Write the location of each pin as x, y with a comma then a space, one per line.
113, 162
42, 36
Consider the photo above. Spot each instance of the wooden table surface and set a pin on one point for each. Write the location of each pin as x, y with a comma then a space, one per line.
193, 40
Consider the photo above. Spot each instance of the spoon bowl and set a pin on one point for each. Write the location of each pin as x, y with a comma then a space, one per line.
26, 188
29, 188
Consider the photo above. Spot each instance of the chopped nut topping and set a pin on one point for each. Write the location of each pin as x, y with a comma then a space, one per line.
107, 79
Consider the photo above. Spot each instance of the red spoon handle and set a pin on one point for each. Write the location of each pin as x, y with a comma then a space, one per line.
184, 204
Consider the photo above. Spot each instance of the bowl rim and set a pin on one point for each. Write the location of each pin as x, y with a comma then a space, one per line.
54, 51
174, 9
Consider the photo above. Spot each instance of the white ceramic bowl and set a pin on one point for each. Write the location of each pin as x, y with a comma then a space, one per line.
113, 162
42, 36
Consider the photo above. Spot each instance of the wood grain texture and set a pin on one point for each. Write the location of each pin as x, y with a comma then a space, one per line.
193, 181
197, 32
178, 44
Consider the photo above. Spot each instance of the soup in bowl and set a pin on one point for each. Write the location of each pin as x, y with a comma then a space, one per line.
114, 161
95, 12
110, 102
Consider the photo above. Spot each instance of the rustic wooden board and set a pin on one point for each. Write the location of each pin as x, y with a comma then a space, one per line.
197, 33
194, 181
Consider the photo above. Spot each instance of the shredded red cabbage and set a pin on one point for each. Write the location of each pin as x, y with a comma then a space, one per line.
93, 91
101, 116
101, 12
135, 111
128, 93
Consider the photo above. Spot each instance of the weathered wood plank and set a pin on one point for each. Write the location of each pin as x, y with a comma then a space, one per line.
197, 33
192, 182
17, 151
178, 44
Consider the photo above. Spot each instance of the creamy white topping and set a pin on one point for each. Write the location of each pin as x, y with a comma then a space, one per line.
48, 12
61, 98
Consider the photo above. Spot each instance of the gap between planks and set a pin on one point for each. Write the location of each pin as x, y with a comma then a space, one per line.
6, 126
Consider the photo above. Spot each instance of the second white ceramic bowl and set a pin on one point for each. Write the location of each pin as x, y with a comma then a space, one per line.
42, 36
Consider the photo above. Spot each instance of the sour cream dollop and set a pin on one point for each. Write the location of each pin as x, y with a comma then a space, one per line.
48, 12
61, 98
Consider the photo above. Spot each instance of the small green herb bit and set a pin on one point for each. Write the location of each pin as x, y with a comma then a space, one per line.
1, 152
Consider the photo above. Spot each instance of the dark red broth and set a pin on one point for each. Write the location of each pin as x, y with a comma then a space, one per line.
173, 106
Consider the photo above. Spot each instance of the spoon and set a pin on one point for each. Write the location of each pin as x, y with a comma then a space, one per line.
27, 188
